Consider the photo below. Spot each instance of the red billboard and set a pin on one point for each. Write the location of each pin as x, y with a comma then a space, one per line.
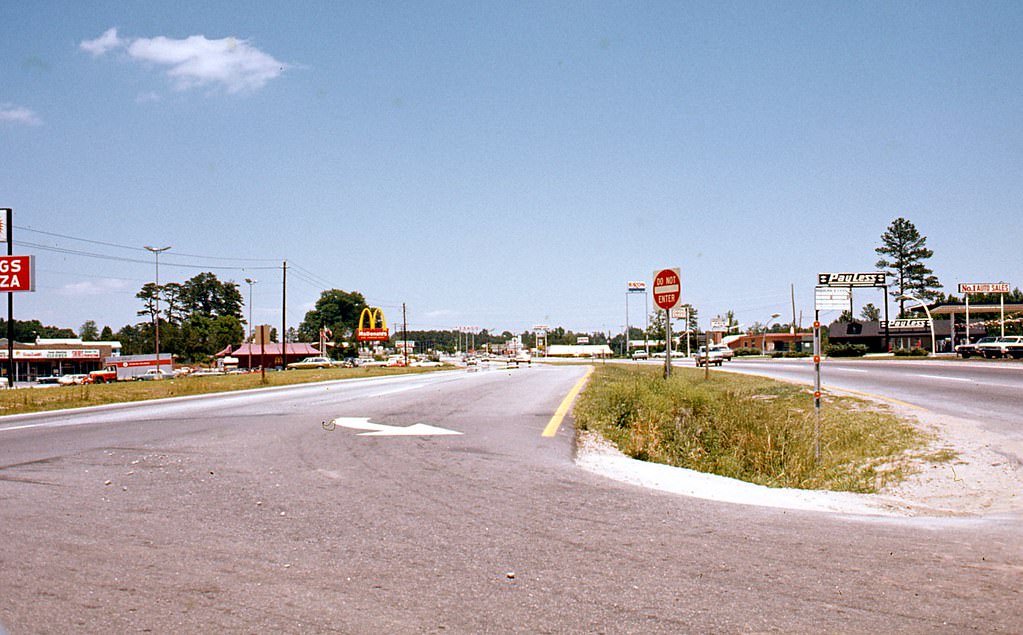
16, 273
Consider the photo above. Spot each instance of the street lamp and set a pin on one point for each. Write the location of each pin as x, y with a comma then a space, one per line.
930, 320
763, 339
156, 252
251, 282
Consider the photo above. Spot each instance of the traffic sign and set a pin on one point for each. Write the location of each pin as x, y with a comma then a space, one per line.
16, 273
667, 288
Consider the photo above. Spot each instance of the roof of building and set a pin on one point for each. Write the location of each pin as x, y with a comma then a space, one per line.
293, 348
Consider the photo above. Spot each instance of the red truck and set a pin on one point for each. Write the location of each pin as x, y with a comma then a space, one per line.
106, 375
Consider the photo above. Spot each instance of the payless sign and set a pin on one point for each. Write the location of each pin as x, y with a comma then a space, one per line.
16, 273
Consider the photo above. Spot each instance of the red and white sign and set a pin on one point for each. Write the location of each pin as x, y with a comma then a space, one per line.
16, 273
984, 287
667, 288
636, 286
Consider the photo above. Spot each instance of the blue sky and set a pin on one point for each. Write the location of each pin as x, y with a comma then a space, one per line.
505, 164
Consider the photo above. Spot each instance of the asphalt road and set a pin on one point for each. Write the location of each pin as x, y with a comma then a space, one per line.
990, 393
241, 513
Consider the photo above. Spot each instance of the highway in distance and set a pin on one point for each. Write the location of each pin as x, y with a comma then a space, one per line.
245, 513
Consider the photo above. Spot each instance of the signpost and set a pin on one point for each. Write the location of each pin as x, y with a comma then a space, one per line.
17, 273
634, 286
849, 280
966, 288
667, 293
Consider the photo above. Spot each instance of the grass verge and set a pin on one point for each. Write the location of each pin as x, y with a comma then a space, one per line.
750, 428
24, 400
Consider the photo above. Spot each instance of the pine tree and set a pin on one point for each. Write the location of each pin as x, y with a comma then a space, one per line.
902, 252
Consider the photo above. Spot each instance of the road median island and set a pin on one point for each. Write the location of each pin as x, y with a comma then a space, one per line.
28, 400
749, 428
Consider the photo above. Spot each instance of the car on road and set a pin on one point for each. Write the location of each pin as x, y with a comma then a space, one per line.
640, 355
311, 362
724, 351
968, 350
521, 357
715, 357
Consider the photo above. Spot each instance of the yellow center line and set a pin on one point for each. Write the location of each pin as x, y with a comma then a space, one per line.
566, 403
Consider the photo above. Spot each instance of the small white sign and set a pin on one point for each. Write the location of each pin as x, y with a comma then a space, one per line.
680, 313
636, 286
718, 324
832, 298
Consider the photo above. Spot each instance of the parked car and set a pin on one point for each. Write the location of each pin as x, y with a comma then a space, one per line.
1008, 346
311, 362
967, 350
155, 374
640, 355
73, 379
52, 379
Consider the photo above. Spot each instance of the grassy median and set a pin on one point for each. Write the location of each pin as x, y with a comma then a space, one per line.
25, 400
750, 428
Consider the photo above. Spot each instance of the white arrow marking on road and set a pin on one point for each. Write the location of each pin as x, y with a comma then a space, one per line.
381, 430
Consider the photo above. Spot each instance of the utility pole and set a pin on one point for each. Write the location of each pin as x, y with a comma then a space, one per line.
284, 318
404, 333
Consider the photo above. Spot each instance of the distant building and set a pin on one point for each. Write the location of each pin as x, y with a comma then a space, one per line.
915, 334
47, 357
579, 350
769, 343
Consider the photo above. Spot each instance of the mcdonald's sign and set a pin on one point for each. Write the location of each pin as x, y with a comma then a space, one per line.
375, 332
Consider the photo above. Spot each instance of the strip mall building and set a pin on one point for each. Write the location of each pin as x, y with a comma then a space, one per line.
50, 357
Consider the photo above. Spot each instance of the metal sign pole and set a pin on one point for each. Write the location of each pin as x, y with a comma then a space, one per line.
817, 385
667, 345
8, 221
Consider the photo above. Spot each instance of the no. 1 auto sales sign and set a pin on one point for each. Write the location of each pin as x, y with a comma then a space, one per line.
16, 273
667, 288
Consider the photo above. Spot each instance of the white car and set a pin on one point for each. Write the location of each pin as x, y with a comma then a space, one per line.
155, 374
311, 362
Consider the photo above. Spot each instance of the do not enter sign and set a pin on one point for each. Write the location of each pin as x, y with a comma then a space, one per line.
667, 288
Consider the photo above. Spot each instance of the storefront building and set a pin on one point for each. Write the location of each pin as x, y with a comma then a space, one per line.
56, 357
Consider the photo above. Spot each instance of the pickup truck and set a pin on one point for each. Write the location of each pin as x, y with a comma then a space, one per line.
1008, 346
103, 376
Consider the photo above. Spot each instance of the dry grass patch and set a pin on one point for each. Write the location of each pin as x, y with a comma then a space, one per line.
750, 428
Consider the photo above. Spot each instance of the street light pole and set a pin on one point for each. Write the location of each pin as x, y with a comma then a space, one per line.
930, 320
252, 328
763, 339
156, 252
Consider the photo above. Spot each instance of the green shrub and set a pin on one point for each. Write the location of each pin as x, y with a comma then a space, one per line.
740, 352
910, 352
846, 350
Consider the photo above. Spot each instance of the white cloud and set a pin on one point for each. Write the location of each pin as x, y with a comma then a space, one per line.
103, 43
101, 286
148, 97
196, 61
19, 114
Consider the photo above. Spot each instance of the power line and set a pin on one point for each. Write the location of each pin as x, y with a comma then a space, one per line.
133, 248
